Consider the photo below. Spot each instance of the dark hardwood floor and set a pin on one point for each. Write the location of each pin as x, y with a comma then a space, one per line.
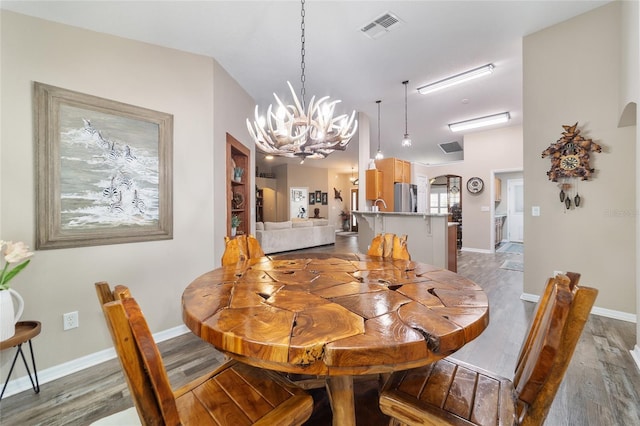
601, 387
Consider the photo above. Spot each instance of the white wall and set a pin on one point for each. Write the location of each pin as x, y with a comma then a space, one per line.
597, 239
59, 281
484, 152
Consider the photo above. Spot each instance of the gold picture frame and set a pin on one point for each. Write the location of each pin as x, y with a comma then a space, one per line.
104, 170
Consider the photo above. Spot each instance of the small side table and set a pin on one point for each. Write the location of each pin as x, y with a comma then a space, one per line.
25, 331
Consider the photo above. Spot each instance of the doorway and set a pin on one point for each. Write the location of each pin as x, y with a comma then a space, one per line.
515, 210
445, 197
508, 211
354, 207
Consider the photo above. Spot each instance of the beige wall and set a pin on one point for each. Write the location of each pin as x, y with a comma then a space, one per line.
571, 73
59, 281
313, 178
484, 153
231, 106
630, 95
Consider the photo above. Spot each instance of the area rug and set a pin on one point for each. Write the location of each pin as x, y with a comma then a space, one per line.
513, 265
347, 234
511, 248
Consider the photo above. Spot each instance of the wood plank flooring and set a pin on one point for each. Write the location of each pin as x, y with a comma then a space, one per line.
601, 387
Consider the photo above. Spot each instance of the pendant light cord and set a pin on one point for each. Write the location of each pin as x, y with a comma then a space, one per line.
405, 107
378, 102
302, 53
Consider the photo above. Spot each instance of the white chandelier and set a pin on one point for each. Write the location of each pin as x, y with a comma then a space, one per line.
291, 131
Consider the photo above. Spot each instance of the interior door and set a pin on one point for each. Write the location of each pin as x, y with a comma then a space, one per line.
515, 210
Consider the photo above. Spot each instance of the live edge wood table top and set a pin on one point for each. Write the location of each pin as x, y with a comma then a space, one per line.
335, 315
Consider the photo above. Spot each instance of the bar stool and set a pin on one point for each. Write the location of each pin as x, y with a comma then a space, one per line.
25, 331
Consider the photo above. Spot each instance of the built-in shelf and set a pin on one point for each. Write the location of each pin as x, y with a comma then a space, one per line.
238, 192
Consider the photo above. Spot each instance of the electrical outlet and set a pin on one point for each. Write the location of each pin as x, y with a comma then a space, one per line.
70, 320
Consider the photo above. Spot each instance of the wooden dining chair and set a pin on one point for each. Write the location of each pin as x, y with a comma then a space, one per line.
453, 392
233, 394
389, 246
240, 248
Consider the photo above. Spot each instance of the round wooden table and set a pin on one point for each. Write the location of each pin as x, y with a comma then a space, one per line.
335, 316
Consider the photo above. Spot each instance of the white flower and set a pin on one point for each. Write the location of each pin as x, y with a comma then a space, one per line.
13, 253
16, 252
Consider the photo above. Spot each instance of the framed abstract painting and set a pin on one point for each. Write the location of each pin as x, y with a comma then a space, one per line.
104, 170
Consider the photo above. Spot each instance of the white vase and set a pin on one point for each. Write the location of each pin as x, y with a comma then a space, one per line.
233, 232
8, 315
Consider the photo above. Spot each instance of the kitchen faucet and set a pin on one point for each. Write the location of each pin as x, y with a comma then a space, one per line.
383, 203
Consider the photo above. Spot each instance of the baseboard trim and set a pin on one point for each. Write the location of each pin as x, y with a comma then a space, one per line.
57, 371
635, 354
475, 250
603, 312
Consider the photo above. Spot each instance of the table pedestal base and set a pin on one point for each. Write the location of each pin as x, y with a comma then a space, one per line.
340, 390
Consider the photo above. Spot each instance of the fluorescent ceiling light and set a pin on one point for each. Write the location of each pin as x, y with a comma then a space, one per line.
503, 117
456, 79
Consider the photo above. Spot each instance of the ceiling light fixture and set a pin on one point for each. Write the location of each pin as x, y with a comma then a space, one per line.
379, 155
406, 140
457, 79
503, 117
352, 178
291, 132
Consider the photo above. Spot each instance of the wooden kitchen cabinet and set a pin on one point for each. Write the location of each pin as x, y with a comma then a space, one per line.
373, 179
452, 247
497, 184
401, 171
393, 170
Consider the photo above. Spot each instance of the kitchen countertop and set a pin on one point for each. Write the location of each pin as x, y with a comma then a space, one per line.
368, 212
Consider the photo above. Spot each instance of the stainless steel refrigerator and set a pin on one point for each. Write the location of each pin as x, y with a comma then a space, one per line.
405, 197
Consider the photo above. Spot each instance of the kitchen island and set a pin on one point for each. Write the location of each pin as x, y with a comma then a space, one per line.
427, 240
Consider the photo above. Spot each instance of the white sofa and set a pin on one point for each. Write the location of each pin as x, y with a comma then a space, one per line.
275, 237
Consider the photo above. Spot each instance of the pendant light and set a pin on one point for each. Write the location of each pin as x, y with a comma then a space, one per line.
406, 140
352, 179
301, 130
379, 155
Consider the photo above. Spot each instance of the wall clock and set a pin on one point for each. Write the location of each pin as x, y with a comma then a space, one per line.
570, 155
475, 185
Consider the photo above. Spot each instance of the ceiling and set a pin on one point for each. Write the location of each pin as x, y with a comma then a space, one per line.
258, 43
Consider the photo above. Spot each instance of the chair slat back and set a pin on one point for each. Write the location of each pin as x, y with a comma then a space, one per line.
389, 246
546, 353
139, 357
106, 295
241, 248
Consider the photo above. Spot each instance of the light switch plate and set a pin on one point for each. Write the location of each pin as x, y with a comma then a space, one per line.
535, 211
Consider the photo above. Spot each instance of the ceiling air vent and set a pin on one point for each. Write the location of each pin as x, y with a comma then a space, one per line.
450, 147
381, 25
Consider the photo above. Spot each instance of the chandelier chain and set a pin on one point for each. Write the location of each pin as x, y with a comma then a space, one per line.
302, 54
292, 131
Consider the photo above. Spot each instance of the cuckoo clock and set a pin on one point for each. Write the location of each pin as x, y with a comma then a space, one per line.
570, 163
